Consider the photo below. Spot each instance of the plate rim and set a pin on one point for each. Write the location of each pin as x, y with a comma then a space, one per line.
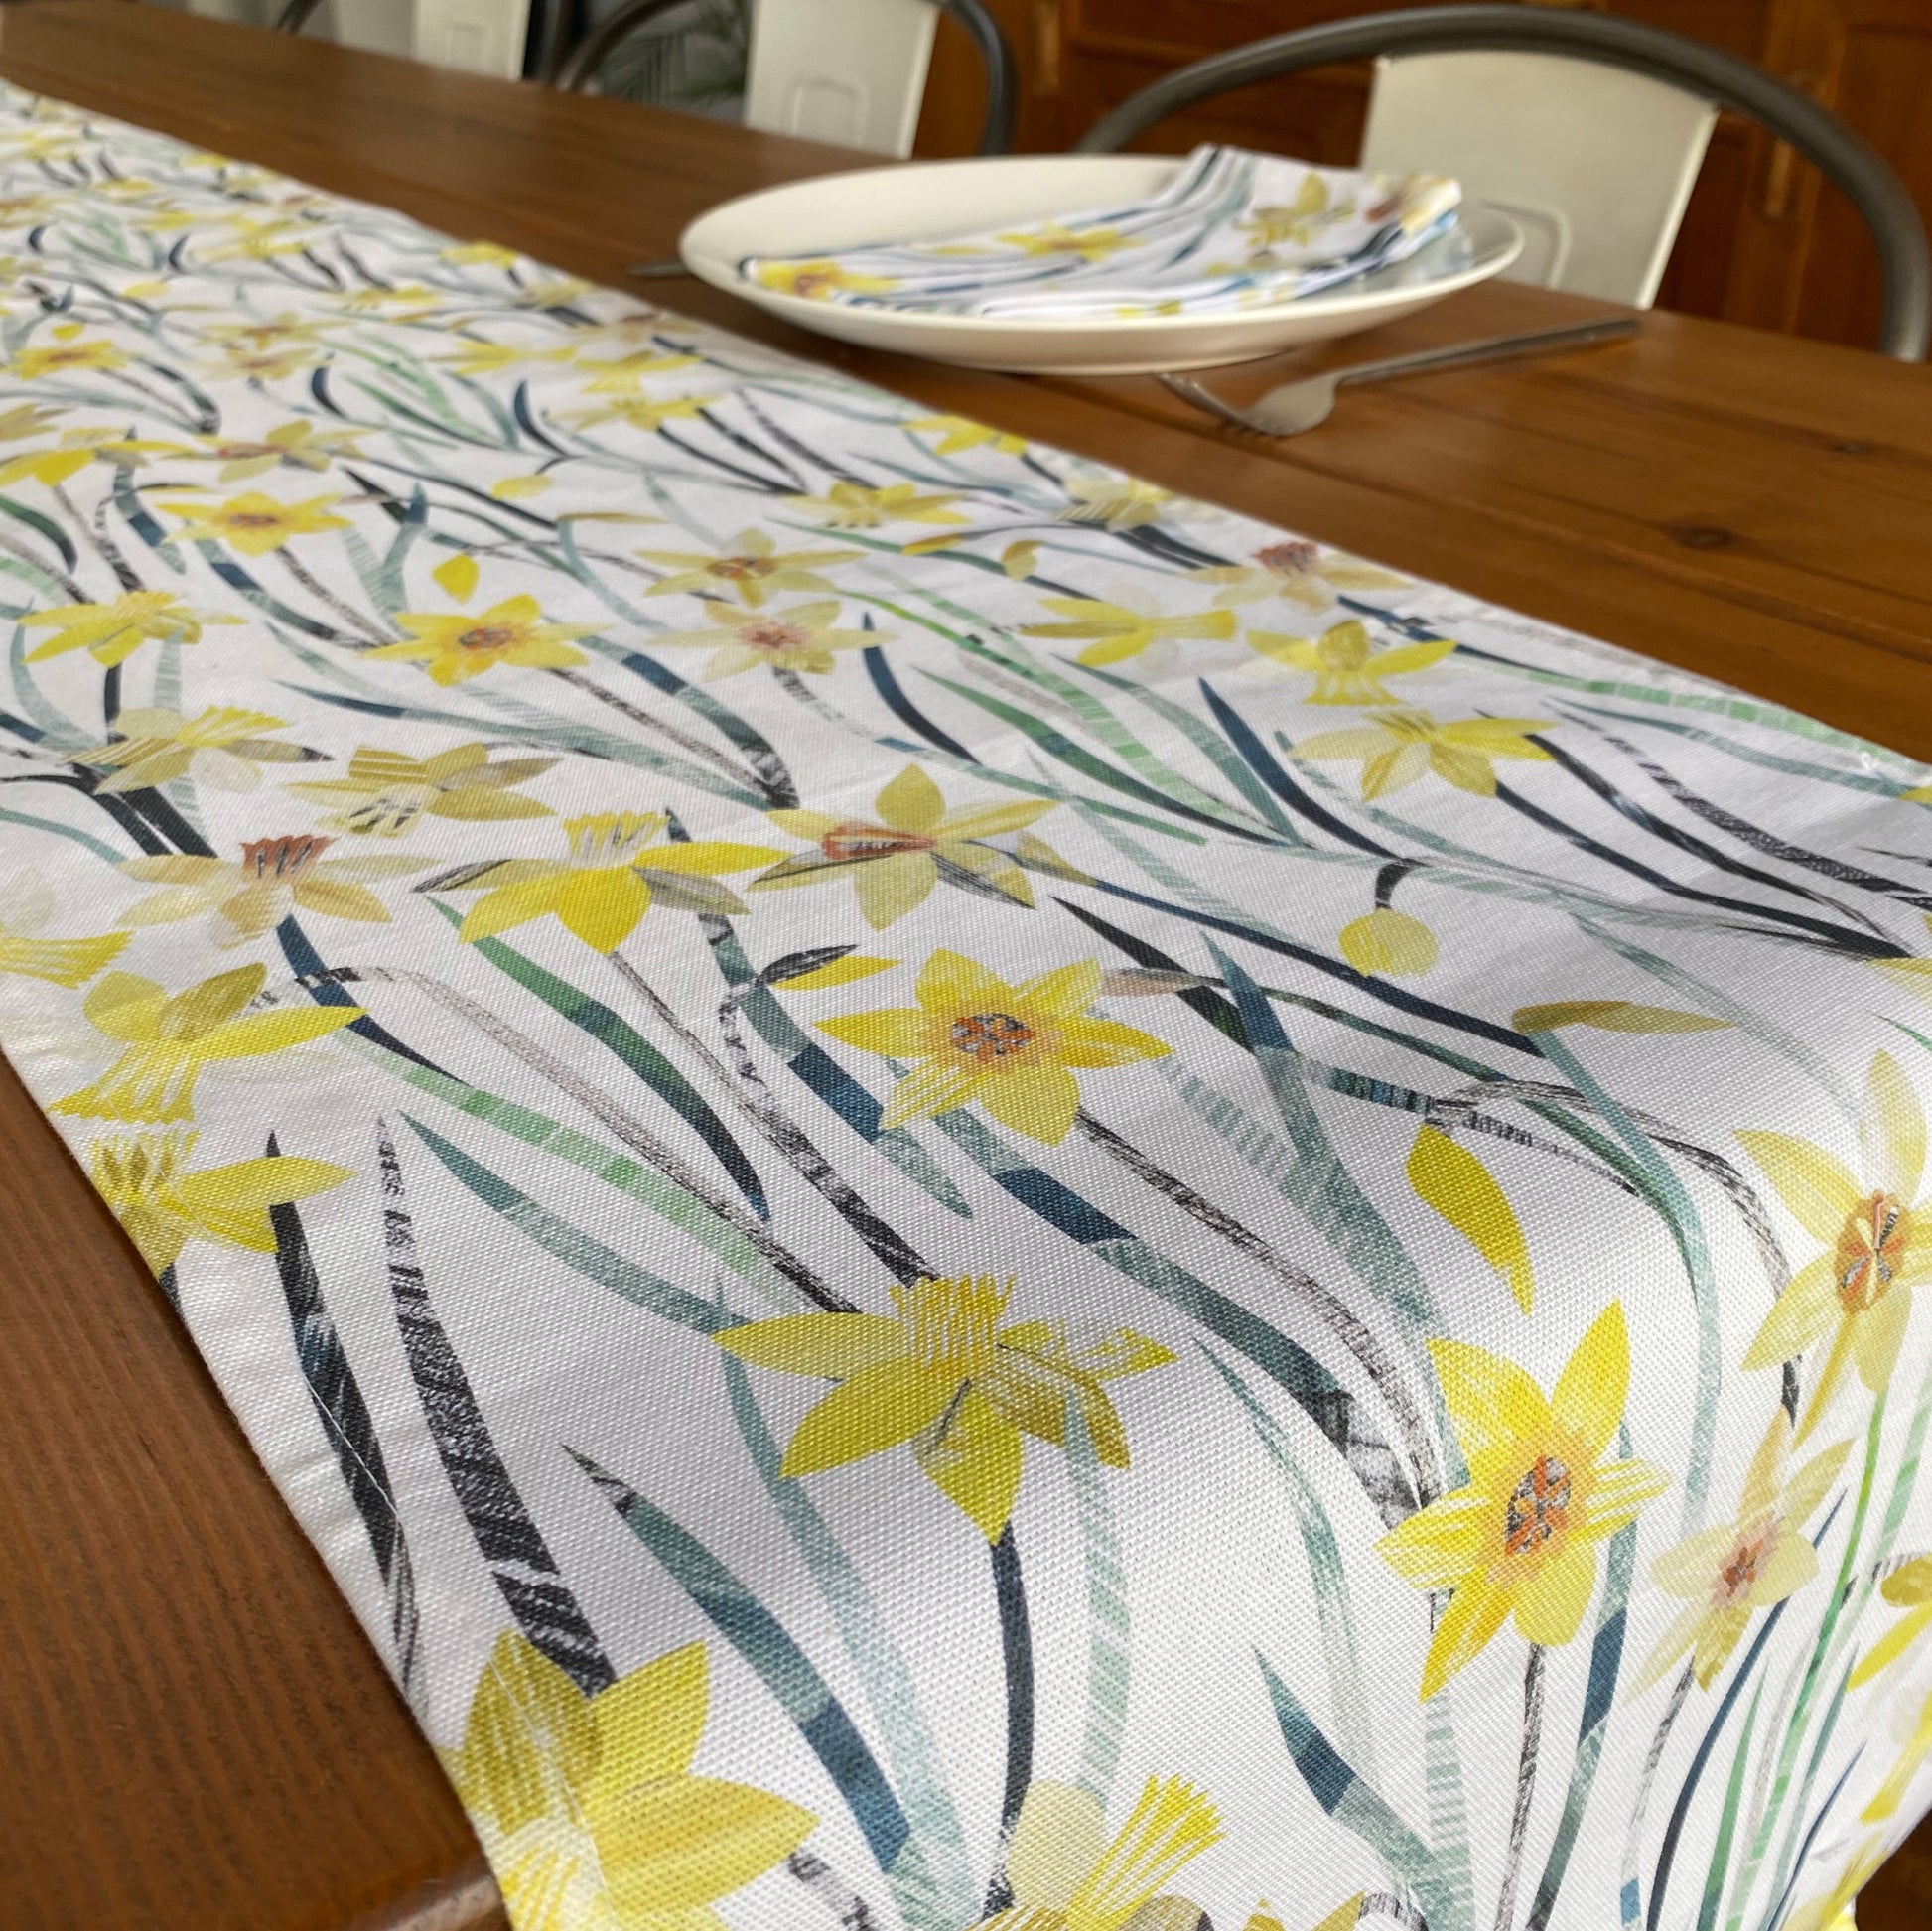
713, 271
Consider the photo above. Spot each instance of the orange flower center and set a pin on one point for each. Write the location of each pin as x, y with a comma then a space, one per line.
255, 520
1869, 1250
286, 859
990, 1038
1287, 559
486, 636
872, 841
774, 637
737, 568
1537, 1508
1738, 1574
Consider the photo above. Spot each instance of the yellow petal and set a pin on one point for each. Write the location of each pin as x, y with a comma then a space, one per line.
1453, 1182
650, 1720
1814, 1184
1910, 1585
832, 1345
1893, 1644
1388, 941
260, 1033
949, 983
126, 1006
930, 1089
1897, 1122
1797, 1317
666, 1846
840, 972
975, 1461
890, 888
215, 1195
528, 1728
1590, 1393
878, 1408
1551, 1608
1437, 1545
1106, 1042
602, 908
910, 802
1064, 992
899, 1032
710, 856
1039, 1101
204, 1007
1877, 1336
510, 905
1477, 1610
1491, 1402
457, 576
1059, 1836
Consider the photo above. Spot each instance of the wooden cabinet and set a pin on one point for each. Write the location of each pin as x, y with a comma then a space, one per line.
1763, 241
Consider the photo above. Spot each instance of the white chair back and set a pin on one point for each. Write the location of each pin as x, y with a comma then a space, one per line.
849, 71
1593, 163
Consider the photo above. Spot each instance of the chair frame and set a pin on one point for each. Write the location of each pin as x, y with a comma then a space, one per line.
580, 67
1842, 155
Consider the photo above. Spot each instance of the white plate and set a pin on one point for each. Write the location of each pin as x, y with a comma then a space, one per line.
931, 201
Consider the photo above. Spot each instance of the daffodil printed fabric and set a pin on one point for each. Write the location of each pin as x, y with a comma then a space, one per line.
960, 1196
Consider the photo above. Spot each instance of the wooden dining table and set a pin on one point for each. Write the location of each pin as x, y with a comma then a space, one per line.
193, 1732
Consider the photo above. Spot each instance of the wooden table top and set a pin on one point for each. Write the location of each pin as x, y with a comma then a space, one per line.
193, 1732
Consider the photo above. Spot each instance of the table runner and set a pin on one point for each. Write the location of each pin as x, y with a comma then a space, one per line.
959, 1194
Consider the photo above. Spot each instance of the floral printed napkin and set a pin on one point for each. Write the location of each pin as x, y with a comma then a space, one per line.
1231, 231
959, 1196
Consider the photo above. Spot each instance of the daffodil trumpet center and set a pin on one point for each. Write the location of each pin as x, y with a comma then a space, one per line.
286, 859
1539, 1507
949, 1325
1738, 1574
1871, 1250
990, 1039
486, 636
848, 841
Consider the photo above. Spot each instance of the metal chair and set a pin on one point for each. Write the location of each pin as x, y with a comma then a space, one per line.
851, 72
478, 36
1481, 132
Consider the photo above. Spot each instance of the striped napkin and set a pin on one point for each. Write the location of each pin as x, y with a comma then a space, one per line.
1231, 231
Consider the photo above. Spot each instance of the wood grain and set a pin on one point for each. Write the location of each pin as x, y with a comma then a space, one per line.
194, 1733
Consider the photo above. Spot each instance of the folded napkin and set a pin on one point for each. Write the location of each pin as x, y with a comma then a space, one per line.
1231, 231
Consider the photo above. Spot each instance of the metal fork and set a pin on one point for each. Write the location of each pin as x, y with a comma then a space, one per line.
1295, 406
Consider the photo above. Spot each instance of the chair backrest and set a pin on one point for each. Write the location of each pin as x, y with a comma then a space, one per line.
1845, 158
1593, 164
848, 72
478, 36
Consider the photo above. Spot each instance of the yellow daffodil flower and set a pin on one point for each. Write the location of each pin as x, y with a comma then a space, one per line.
1012, 1048
163, 1204
25, 913
1520, 1537
853, 506
1115, 502
261, 238
614, 872
1051, 239
48, 466
1879, 1235
386, 791
801, 639
624, 374
1396, 748
912, 841
295, 445
27, 419
270, 332
1067, 1874
476, 357
1118, 632
588, 1806
1908, 1587
270, 364
455, 647
1388, 942
481, 255
640, 412
1298, 572
819, 281
220, 748
68, 359
167, 1040
942, 1375
1345, 665
750, 569
273, 877
1298, 221
113, 632
1832, 1910
1727, 1574
957, 433
255, 524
